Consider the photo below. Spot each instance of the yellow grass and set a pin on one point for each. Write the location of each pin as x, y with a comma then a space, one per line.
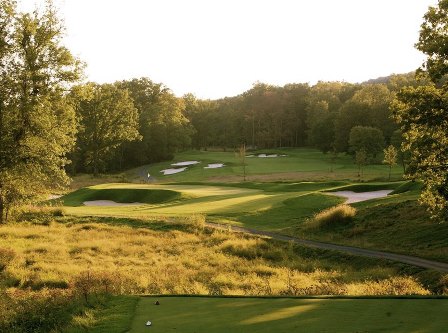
178, 262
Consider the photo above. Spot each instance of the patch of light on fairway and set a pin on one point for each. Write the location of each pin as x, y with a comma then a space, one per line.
172, 171
185, 163
214, 166
285, 313
361, 196
109, 203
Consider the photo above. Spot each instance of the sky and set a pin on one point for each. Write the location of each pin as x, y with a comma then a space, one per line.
218, 48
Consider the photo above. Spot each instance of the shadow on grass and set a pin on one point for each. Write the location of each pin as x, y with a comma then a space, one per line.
155, 225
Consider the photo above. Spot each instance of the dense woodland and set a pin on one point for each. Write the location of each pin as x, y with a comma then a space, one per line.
136, 122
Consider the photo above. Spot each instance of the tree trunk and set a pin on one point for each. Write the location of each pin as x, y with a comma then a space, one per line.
2, 211
95, 163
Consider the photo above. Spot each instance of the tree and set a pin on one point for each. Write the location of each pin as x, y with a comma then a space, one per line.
390, 157
107, 119
369, 139
361, 160
242, 157
433, 41
422, 114
37, 124
162, 124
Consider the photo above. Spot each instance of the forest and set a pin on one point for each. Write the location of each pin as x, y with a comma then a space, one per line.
335, 117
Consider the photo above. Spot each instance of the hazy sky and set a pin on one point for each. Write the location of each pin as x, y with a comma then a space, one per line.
217, 48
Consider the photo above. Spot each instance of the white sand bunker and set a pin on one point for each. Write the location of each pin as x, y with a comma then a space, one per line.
172, 171
185, 163
214, 166
265, 155
109, 203
361, 196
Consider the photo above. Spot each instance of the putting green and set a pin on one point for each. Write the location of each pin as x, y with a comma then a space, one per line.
205, 314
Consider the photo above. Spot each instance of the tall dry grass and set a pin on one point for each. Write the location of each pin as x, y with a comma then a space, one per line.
333, 217
138, 260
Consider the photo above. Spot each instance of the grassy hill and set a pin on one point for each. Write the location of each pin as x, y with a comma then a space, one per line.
79, 254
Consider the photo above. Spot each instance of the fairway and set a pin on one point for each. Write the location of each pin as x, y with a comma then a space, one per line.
287, 315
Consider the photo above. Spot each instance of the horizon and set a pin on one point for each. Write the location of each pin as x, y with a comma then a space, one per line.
221, 49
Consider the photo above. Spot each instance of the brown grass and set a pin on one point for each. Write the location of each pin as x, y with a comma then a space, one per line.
141, 260
332, 217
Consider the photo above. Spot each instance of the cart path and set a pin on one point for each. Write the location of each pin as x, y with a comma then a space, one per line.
415, 261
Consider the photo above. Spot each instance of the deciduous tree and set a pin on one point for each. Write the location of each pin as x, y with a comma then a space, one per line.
422, 113
37, 124
107, 119
390, 157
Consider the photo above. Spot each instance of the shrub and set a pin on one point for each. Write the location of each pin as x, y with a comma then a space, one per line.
39, 214
43, 311
6, 256
194, 223
334, 216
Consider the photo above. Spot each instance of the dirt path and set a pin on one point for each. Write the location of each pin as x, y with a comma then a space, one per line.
438, 266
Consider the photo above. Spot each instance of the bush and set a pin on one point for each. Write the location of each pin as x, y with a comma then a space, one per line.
40, 214
193, 223
43, 311
334, 216
6, 256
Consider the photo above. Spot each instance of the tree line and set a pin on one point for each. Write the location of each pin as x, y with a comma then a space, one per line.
51, 124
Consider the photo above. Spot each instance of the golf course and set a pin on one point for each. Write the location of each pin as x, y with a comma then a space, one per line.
210, 233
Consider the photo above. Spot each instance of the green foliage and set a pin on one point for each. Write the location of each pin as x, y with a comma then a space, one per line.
369, 139
361, 159
433, 40
421, 113
390, 157
37, 124
162, 124
107, 117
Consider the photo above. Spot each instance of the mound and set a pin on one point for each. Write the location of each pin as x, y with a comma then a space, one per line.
122, 195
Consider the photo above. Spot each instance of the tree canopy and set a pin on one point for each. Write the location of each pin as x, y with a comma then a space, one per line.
422, 113
37, 124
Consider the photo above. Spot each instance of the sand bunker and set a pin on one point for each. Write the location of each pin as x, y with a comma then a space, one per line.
185, 163
361, 196
109, 203
54, 196
266, 155
172, 171
214, 166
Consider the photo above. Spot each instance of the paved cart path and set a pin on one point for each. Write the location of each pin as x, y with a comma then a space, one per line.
420, 262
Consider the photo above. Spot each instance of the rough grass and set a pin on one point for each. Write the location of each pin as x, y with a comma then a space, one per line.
333, 217
391, 224
157, 257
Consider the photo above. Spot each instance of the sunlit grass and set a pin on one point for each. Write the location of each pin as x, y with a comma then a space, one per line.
240, 315
179, 257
